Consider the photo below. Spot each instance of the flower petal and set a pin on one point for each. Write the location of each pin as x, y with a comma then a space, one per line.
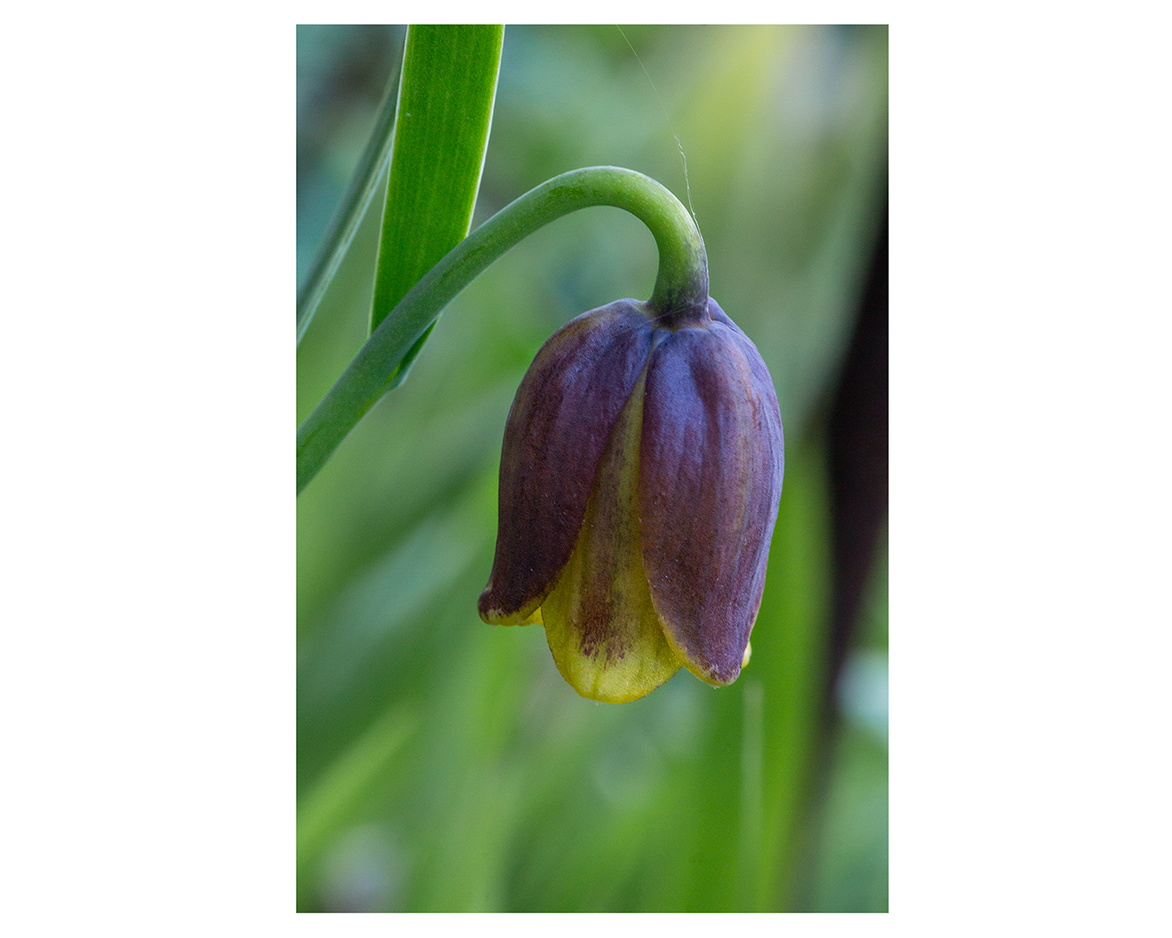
606, 637
561, 419
712, 460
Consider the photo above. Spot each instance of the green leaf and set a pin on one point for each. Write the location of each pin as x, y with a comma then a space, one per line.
446, 95
344, 227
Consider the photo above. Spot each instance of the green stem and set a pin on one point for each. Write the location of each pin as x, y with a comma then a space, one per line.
681, 289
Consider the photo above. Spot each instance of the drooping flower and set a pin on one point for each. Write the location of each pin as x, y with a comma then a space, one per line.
640, 478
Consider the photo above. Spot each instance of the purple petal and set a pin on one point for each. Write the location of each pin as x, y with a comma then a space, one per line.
556, 432
710, 479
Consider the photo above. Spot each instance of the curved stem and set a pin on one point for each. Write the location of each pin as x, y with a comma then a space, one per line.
681, 289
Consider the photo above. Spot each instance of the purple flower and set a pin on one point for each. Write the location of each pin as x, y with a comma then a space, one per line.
640, 478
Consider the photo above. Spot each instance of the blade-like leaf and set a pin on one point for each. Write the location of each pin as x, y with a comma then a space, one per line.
446, 97
364, 186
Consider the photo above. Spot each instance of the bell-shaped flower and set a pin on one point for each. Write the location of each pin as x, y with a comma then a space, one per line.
639, 486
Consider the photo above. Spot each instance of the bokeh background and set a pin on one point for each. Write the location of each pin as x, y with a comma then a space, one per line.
443, 764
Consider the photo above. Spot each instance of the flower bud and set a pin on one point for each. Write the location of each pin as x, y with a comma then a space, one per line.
639, 486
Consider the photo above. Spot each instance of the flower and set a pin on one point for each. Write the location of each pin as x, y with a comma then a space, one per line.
640, 477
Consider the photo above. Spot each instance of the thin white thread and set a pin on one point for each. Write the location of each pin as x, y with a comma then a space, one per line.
667, 117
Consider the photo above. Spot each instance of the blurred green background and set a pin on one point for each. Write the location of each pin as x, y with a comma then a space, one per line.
443, 764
